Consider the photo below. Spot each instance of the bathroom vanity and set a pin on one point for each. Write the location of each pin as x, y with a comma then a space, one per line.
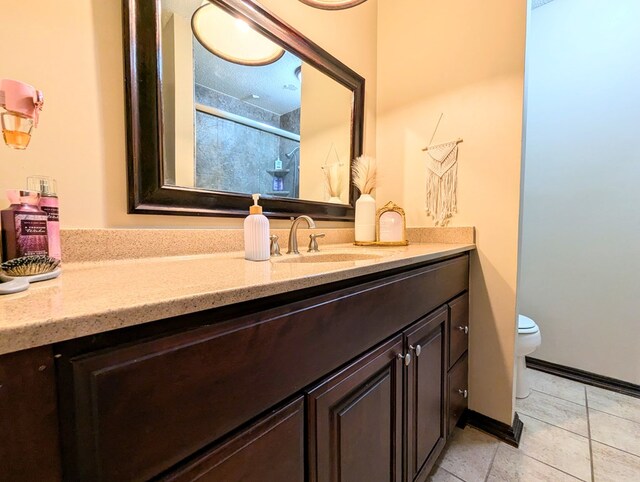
361, 378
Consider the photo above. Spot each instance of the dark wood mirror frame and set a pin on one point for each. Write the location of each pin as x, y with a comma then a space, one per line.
148, 193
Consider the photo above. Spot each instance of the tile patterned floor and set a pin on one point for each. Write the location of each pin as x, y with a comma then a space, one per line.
572, 432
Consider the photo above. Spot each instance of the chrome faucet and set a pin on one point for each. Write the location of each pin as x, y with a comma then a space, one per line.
293, 233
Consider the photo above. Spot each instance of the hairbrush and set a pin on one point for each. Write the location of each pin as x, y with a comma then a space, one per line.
29, 265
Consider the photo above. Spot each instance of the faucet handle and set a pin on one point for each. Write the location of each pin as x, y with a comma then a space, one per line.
275, 247
313, 242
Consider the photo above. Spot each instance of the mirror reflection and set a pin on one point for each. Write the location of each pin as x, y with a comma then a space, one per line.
243, 115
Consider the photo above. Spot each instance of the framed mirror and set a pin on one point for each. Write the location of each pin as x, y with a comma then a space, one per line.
224, 100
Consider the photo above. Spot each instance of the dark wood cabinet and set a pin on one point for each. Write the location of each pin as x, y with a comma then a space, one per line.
425, 388
29, 448
458, 328
458, 386
458, 392
380, 360
205, 382
270, 450
357, 415
355, 420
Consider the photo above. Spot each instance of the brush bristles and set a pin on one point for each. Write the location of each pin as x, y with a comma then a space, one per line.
29, 265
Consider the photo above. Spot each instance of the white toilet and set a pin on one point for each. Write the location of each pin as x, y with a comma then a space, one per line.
528, 340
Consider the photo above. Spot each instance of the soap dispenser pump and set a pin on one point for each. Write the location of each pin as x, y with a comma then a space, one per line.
256, 233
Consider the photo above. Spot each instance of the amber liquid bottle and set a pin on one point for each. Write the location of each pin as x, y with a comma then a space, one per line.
16, 130
24, 226
16, 139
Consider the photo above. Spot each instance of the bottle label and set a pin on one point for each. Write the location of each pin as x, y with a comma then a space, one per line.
34, 227
31, 235
52, 213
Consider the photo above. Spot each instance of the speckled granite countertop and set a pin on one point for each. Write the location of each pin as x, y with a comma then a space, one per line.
90, 298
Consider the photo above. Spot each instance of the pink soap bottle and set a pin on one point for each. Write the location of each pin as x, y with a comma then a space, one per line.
47, 188
24, 226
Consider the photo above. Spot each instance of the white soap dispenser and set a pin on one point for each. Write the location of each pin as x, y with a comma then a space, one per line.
256, 233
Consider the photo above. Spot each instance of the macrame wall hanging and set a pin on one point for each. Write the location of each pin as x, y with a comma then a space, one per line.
442, 179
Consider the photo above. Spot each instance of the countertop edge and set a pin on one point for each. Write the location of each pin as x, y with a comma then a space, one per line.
55, 330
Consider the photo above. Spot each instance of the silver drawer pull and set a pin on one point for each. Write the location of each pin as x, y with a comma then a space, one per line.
417, 349
464, 328
406, 358
464, 393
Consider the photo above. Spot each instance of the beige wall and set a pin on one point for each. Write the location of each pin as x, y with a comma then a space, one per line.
580, 227
74, 54
466, 60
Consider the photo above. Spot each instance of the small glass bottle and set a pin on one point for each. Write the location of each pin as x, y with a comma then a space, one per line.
46, 186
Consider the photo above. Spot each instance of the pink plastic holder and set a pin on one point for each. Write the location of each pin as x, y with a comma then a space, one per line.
21, 98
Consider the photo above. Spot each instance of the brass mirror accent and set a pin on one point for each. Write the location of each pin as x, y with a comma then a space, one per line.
391, 227
177, 167
333, 4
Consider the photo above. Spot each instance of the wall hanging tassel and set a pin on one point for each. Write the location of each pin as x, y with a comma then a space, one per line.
442, 181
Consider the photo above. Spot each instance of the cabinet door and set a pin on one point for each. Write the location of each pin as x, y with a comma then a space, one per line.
426, 430
355, 420
29, 449
458, 391
270, 450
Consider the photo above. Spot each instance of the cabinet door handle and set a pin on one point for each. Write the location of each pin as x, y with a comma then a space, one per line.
417, 349
406, 358
462, 392
464, 328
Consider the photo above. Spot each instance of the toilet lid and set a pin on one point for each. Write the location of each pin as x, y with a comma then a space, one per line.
527, 325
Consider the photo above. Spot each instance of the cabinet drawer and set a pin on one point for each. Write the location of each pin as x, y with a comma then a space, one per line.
458, 328
458, 391
271, 450
138, 409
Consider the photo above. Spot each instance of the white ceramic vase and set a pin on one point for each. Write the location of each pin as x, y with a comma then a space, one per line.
365, 218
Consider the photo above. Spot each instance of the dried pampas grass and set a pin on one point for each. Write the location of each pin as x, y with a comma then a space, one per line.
363, 174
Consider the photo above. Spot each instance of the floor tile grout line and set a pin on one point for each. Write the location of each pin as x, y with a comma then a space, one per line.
618, 449
557, 426
586, 384
608, 392
486, 477
451, 474
551, 466
612, 390
614, 415
586, 399
555, 396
